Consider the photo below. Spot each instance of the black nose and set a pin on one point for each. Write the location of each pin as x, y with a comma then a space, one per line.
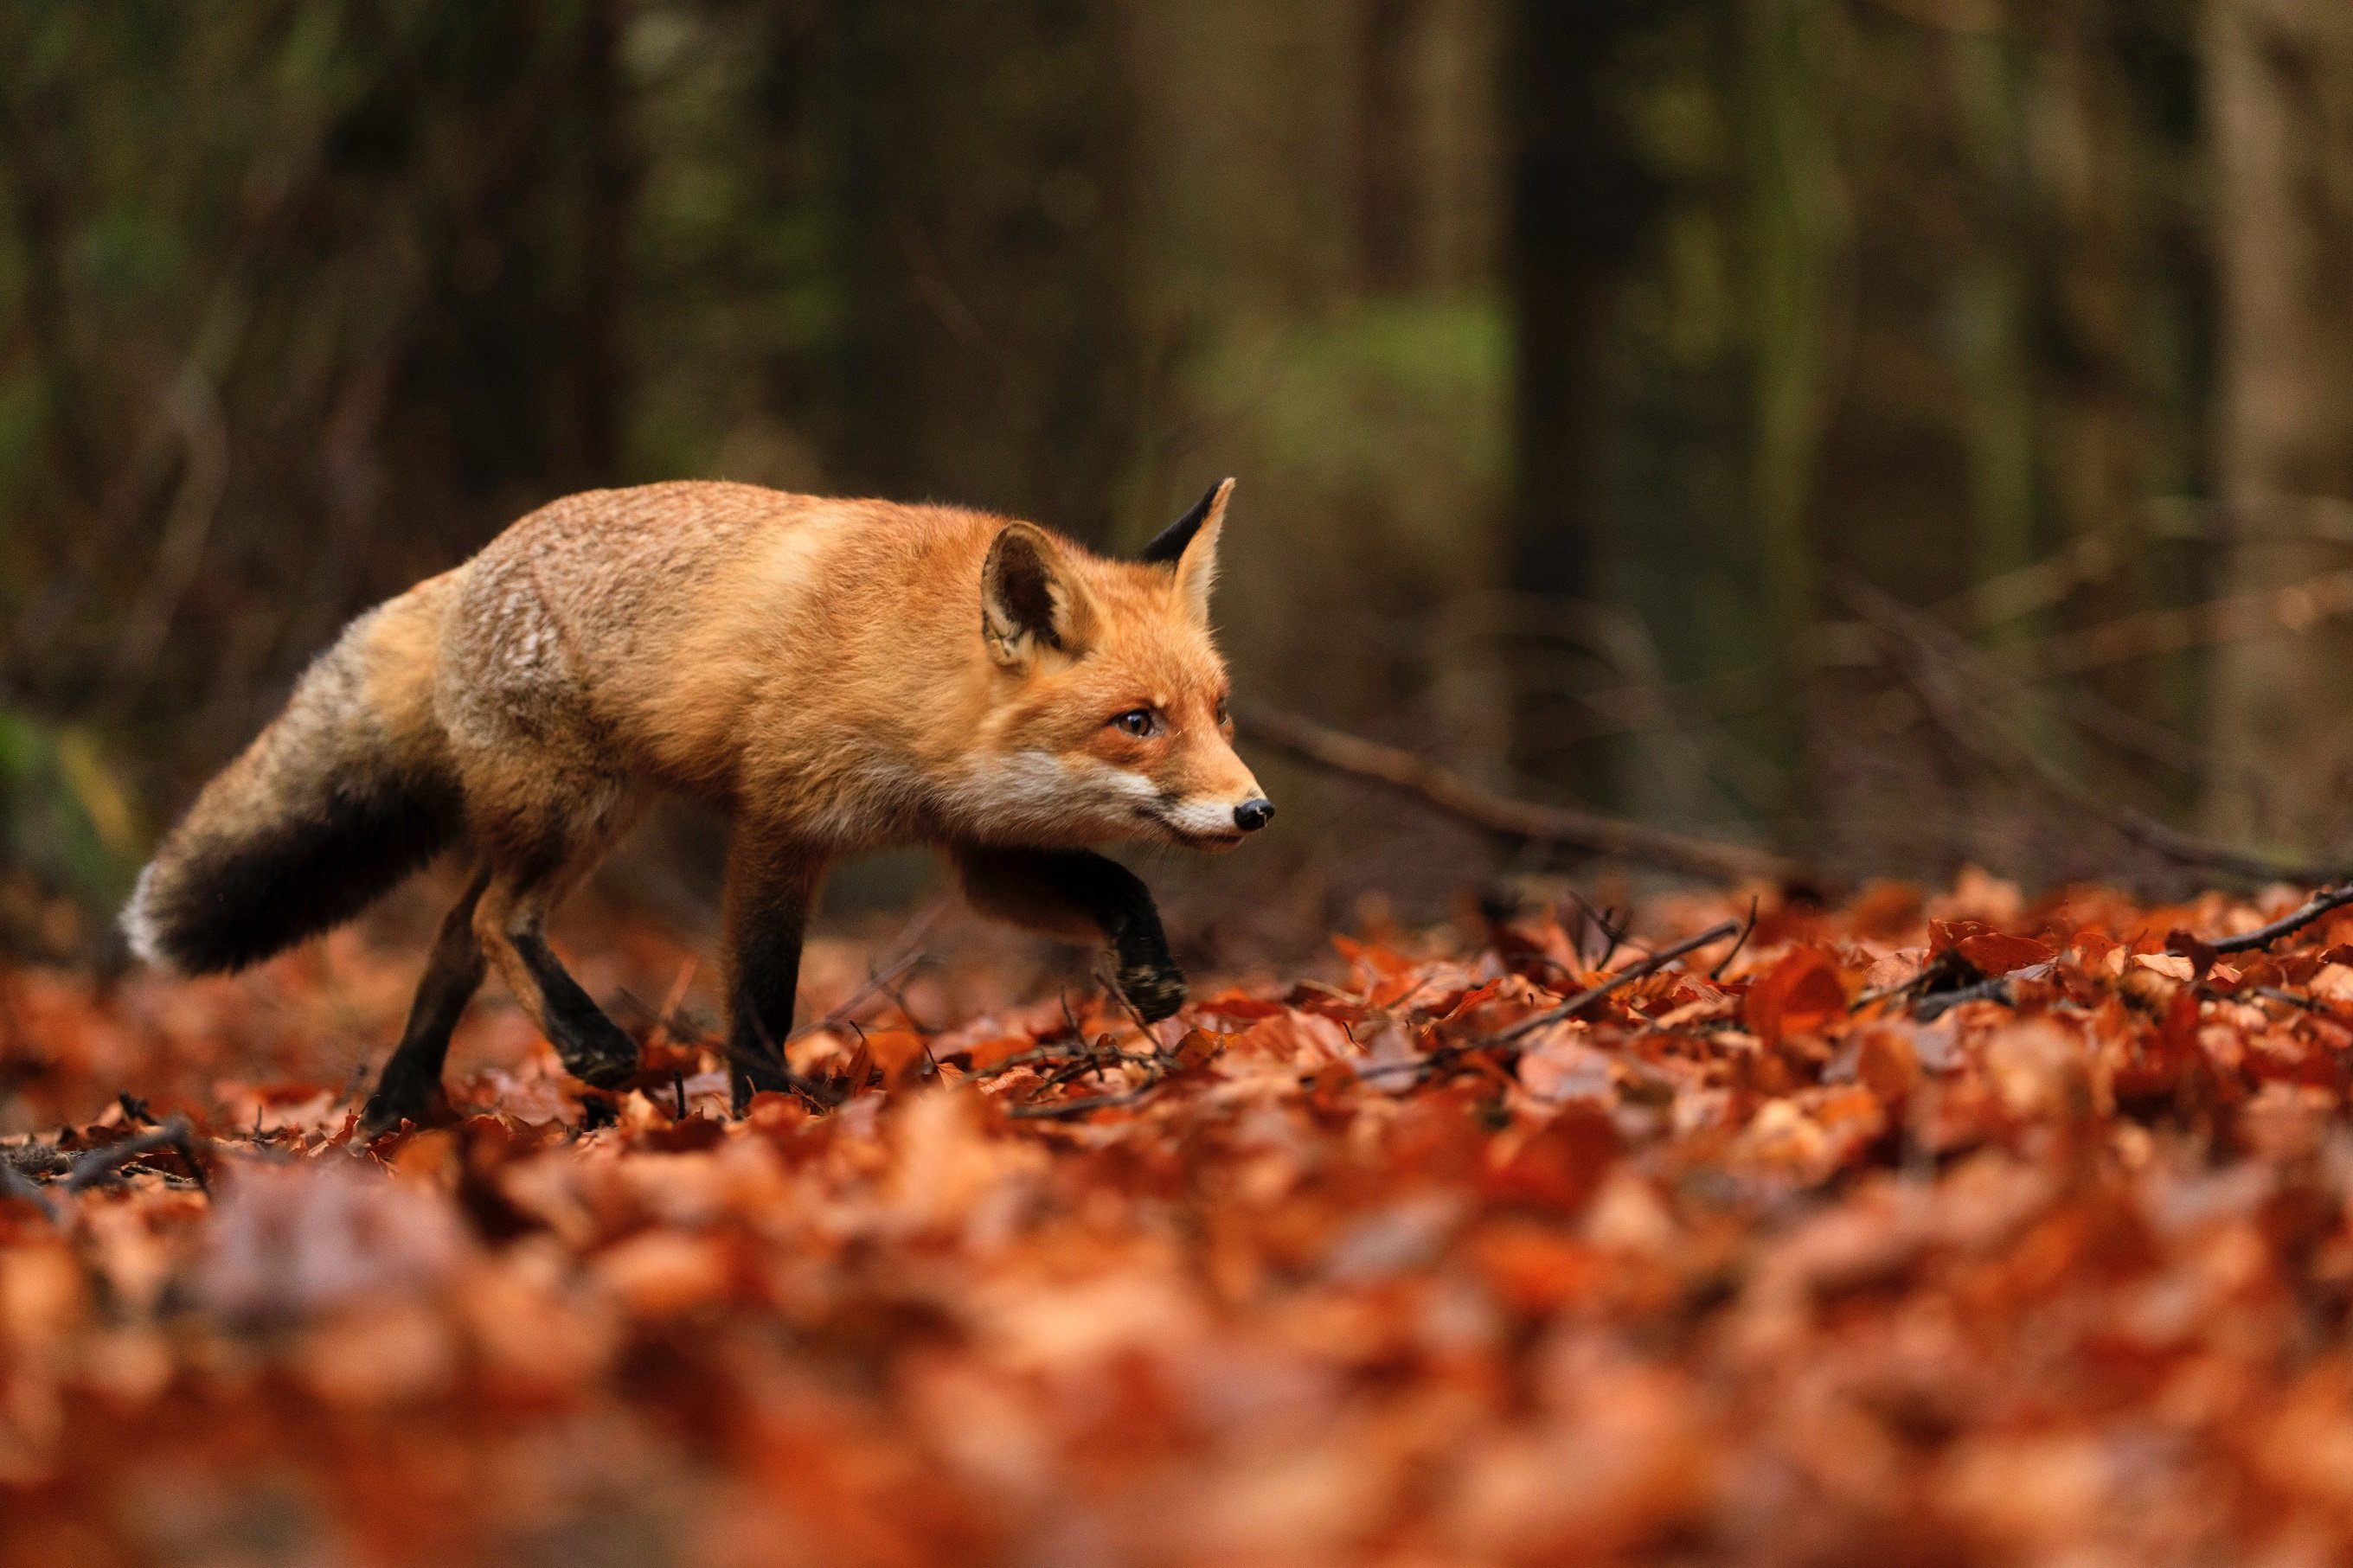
1254, 815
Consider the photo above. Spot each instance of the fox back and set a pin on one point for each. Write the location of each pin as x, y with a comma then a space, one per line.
843, 673
862, 671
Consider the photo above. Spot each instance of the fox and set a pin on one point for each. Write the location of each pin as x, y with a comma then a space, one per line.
835, 676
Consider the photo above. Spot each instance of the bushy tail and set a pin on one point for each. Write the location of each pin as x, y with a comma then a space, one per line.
330, 807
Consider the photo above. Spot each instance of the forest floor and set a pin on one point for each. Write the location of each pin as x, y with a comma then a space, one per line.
1829, 1249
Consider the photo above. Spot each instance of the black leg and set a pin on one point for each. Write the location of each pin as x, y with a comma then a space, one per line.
767, 970
595, 1049
1070, 892
413, 1076
771, 884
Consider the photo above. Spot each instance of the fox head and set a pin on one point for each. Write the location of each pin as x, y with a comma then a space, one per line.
1111, 720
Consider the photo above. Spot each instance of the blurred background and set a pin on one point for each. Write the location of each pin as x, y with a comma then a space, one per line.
1897, 433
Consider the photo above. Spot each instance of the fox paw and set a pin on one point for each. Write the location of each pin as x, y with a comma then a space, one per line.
750, 1075
1154, 991
391, 1105
606, 1067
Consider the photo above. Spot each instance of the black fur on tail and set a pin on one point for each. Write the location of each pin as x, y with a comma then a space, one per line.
216, 900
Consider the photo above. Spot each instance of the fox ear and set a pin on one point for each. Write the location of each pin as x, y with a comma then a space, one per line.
1030, 598
1191, 545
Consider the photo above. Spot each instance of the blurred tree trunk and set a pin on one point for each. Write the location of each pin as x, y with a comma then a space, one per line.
2282, 94
1792, 224
988, 349
2090, 173
2118, 159
1579, 203
1996, 306
600, 375
1388, 192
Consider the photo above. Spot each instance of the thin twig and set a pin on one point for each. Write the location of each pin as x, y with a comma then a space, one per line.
1065, 1108
1442, 1056
1936, 1004
1072, 1064
1512, 818
1746, 929
1615, 934
1626, 976
905, 957
1993, 988
100, 1164
1070, 1071
15, 1184
2288, 924
1135, 1015
1026, 1059
1882, 992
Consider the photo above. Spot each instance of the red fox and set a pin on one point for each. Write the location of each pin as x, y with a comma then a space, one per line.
837, 676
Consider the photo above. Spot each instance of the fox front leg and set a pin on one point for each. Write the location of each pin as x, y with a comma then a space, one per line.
772, 883
1083, 897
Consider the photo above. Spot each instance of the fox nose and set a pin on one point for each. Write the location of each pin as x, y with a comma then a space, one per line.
1253, 814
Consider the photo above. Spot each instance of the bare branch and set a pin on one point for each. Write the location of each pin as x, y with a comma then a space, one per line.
2288, 924
1748, 929
101, 1164
1459, 797
1063, 1109
1626, 976
15, 1184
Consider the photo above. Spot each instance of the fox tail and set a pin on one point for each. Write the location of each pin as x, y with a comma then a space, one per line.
342, 798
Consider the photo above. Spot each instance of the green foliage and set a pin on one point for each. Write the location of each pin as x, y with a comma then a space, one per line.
66, 819
1393, 404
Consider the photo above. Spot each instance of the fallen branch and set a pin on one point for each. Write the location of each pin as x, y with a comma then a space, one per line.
1460, 798
1158, 1063
2288, 924
1031, 1058
2307, 1003
101, 1164
1934, 1004
1626, 976
1748, 929
15, 1184
1997, 988
1449, 1056
1061, 1109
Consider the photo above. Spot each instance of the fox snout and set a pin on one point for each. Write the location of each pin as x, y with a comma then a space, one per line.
1217, 822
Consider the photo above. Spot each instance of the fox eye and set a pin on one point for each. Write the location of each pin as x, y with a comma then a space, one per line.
1136, 721
1224, 715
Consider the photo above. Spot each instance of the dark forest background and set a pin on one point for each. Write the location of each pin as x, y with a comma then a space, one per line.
1872, 428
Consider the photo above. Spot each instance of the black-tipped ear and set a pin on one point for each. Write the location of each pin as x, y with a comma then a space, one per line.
1167, 546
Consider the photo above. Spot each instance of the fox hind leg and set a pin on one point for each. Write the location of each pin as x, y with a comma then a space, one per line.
511, 921
533, 865
405, 1090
